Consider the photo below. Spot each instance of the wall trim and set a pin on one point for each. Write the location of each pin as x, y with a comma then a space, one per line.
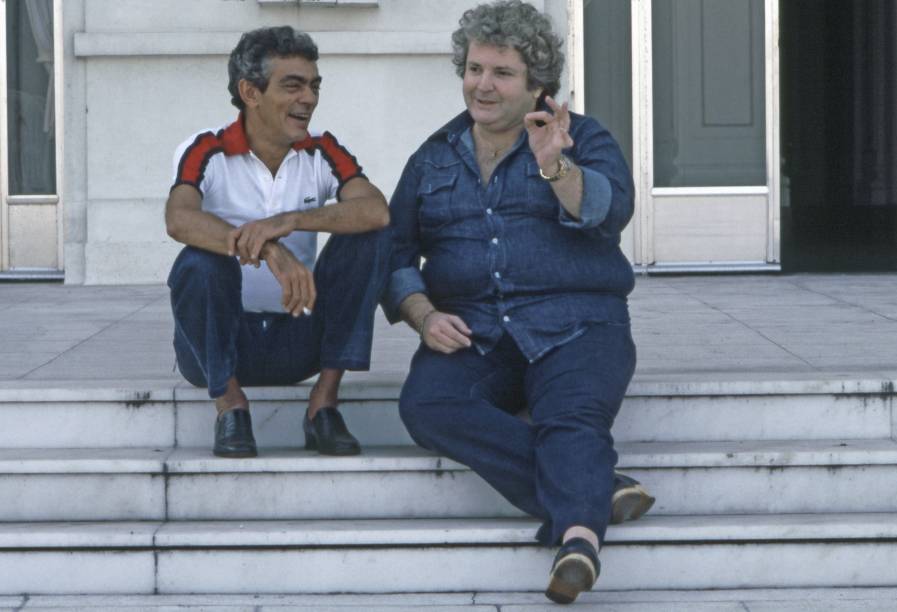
327, 3
129, 44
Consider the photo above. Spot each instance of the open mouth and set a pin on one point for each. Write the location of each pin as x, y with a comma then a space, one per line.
302, 117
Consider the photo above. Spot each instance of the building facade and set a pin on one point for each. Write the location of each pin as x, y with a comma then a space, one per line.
703, 95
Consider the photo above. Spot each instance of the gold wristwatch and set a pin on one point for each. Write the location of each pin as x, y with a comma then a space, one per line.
564, 166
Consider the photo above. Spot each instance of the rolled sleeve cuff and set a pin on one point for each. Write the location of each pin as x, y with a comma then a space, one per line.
402, 283
596, 198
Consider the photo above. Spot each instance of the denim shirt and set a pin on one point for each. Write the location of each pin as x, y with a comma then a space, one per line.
507, 257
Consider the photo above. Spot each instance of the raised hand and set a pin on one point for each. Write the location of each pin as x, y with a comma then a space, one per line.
248, 240
548, 135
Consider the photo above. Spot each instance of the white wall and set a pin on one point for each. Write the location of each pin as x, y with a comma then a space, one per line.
142, 76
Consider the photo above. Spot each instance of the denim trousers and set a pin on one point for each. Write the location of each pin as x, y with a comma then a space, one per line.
215, 339
560, 466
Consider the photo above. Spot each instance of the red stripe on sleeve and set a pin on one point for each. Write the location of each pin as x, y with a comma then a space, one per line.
194, 160
344, 164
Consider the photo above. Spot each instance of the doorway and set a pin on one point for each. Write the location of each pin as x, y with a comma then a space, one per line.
839, 135
31, 237
689, 87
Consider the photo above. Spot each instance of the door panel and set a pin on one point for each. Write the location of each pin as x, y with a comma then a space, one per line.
30, 234
709, 123
608, 66
711, 228
608, 78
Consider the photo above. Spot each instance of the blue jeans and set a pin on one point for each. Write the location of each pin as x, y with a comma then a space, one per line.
560, 467
215, 340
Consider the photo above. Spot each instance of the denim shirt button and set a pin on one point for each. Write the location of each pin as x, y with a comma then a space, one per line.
506, 318
488, 211
497, 275
495, 241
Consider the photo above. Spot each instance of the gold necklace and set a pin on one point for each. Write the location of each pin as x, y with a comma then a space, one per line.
494, 153
497, 152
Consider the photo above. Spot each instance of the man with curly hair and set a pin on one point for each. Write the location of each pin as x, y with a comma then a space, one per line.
517, 206
251, 305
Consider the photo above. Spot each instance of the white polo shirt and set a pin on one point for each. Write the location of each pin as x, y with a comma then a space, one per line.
237, 186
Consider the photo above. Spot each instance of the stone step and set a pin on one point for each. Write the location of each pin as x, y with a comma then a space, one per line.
153, 413
852, 599
395, 556
407, 482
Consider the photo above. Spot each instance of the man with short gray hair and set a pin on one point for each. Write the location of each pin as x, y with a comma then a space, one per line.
251, 304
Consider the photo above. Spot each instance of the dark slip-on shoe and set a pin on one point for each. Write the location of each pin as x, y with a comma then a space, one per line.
575, 570
327, 433
233, 435
630, 500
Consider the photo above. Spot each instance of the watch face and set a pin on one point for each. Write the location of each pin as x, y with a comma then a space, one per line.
564, 166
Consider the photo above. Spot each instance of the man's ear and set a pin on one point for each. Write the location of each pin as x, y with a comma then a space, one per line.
249, 93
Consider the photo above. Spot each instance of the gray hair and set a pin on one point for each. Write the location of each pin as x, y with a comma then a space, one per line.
517, 25
251, 58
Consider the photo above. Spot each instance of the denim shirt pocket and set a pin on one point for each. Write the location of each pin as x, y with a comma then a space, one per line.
541, 199
435, 197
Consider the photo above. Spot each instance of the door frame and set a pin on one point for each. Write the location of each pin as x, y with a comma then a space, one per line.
643, 223
56, 200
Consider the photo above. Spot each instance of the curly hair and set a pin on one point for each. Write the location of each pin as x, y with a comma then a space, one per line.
251, 58
513, 24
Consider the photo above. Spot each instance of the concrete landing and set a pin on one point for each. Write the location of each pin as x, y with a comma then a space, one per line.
706, 328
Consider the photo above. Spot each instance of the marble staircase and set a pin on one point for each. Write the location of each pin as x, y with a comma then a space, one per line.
759, 484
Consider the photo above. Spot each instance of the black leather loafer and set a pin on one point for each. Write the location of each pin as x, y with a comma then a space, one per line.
576, 568
630, 500
327, 433
233, 435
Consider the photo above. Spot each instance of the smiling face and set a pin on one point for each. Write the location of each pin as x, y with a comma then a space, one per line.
281, 114
494, 87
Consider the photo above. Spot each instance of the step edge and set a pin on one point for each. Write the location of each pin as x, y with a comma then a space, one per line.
183, 461
413, 533
141, 393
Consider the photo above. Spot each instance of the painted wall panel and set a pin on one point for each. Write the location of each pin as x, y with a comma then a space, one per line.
32, 236
710, 229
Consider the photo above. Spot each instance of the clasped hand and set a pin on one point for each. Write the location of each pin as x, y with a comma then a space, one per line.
549, 139
257, 240
248, 240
